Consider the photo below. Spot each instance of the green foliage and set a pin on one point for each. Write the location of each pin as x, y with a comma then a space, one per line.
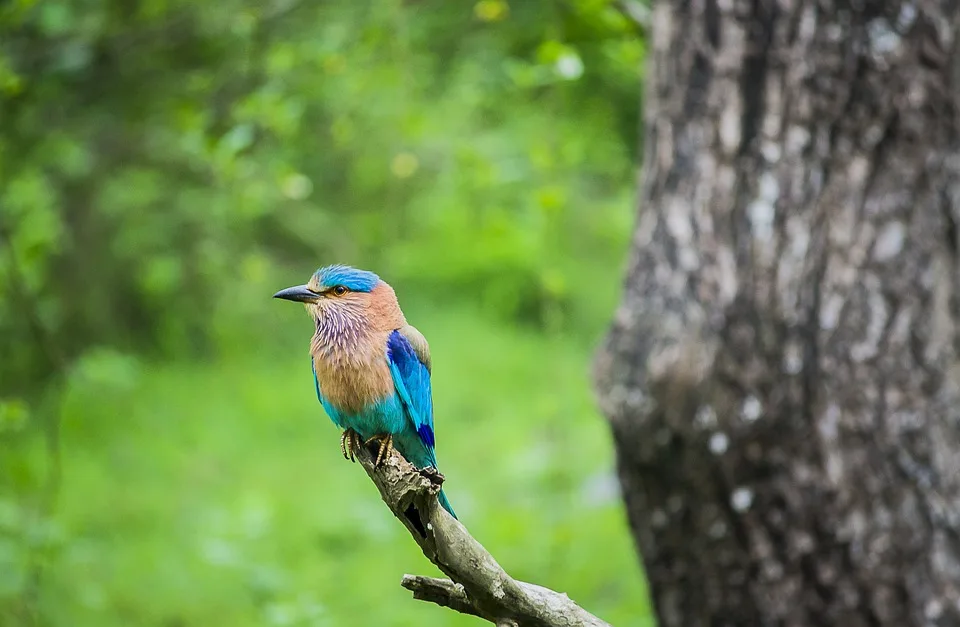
166, 164
148, 150
224, 498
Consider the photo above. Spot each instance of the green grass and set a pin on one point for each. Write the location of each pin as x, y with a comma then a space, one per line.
199, 494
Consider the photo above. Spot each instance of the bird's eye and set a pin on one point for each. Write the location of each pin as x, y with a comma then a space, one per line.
339, 290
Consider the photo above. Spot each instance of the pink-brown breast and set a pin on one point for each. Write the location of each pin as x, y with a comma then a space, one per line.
352, 382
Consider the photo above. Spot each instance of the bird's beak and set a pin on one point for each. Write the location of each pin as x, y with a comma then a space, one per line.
298, 293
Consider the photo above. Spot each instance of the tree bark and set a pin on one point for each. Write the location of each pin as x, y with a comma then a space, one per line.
781, 377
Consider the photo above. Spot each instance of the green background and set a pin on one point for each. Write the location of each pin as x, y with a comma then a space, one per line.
165, 166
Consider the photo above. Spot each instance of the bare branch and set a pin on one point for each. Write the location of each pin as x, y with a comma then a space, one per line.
440, 591
477, 584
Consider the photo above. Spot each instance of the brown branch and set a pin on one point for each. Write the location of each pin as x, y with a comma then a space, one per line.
477, 584
440, 591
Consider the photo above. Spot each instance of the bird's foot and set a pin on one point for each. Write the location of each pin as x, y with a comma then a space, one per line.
434, 475
349, 443
386, 445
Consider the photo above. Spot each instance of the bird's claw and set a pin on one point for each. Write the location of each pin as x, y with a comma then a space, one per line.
386, 445
349, 443
434, 475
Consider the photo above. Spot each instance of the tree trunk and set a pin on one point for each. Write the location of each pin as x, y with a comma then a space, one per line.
782, 377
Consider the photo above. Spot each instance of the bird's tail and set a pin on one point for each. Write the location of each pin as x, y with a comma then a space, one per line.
445, 504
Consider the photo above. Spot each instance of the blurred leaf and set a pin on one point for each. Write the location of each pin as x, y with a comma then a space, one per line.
404, 165
11, 83
14, 414
296, 186
103, 369
238, 138
491, 10
55, 17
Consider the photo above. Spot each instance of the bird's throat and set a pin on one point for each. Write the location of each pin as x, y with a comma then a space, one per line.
339, 334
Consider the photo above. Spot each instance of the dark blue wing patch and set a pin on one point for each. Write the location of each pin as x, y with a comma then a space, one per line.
400, 352
416, 379
426, 434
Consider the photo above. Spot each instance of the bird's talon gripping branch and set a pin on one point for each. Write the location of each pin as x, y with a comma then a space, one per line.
435, 476
386, 445
349, 442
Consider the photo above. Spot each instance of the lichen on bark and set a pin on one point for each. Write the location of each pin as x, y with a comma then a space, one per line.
781, 376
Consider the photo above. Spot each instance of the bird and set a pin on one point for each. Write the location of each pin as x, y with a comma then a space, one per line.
371, 368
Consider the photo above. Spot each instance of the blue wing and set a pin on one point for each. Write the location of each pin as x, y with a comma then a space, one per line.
409, 359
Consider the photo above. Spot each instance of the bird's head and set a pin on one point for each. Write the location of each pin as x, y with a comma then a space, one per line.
345, 300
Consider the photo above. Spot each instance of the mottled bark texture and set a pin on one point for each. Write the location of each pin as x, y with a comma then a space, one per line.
781, 376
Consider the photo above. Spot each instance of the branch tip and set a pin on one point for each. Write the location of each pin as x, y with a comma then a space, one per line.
477, 585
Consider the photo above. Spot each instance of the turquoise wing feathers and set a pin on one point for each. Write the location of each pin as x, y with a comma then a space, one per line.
409, 358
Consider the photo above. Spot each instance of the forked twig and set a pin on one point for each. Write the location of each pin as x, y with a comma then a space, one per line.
477, 584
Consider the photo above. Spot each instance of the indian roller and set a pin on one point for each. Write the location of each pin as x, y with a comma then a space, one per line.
371, 369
